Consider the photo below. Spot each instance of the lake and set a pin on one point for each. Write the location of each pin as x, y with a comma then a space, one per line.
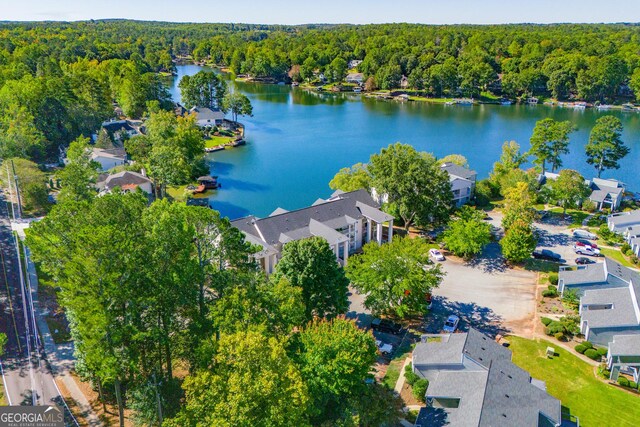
297, 140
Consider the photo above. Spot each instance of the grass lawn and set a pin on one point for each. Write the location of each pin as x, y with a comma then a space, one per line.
217, 140
541, 265
573, 381
393, 371
576, 216
616, 255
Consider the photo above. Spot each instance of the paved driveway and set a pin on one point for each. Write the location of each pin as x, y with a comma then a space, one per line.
485, 294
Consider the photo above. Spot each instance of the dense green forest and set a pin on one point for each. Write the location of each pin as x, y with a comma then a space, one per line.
59, 80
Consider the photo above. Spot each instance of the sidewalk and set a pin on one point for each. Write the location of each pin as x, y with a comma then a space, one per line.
60, 357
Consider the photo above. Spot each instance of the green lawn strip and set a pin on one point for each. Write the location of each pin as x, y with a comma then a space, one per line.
576, 216
393, 371
617, 256
572, 380
217, 140
541, 265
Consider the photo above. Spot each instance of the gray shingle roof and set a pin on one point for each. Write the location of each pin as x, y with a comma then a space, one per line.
457, 170
625, 345
336, 212
504, 392
625, 219
512, 400
620, 311
123, 178
590, 273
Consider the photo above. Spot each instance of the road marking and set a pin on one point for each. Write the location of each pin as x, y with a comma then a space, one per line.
65, 402
13, 317
4, 381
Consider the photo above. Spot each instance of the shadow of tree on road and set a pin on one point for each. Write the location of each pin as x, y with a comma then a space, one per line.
490, 260
552, 239
472, 315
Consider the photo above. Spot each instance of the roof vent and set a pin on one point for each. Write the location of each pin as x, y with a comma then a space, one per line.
506, 395
510, 376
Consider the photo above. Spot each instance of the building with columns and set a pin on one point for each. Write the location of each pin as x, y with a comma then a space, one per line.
346, 221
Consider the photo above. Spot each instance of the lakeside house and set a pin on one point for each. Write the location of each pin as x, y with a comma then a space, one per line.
346, 221
207, 116
463, 182
609, 299
354, 63
473, 382
357, 78
606, 193
126, 181
623, 356
109, 158
122, 129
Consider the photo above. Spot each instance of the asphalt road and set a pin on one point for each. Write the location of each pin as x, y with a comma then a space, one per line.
27, 378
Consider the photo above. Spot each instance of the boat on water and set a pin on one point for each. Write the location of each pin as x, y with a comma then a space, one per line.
532, 100
579, 105
604, 107
506, 102
357, 89
294, 84
628, 107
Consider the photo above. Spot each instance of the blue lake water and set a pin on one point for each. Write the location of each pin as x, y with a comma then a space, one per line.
297, 140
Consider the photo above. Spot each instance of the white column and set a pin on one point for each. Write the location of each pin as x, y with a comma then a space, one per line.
336, 248
368, 230
379, 233
390, 230
346, 253
267, 264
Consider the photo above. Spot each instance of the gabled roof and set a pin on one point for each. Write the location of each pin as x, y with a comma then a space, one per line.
337, 212
124, 178
603, 188
625, 219
458, 171
620, 309
204, 113
114, 153
625, 345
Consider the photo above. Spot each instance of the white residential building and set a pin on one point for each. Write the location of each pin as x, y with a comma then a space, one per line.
109, 159
463, 182
346, 221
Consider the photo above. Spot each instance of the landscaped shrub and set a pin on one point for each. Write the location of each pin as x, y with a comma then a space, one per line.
580, 348
553, 279
634, 259
602, 351
559, 336
587, 344
554, 327
570, 298
623, 381
550, 293
603, 371
592, 354
420, 389
545, 321
410, 376
633, 385
626, 249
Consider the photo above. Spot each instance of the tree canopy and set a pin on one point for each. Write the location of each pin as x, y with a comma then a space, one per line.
605, 147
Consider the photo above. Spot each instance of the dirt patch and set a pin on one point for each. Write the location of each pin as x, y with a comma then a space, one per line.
554, 306
407, 396
108, 417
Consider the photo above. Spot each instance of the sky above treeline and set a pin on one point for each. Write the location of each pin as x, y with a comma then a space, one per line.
327, 11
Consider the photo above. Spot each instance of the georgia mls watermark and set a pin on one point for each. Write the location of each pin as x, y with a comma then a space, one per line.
31, 416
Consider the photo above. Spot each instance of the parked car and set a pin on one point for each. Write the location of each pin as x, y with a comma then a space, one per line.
384, 348
584, 234
546, 254
586, 250
436, 254
387, 326
584, 260
582, 242
451, 324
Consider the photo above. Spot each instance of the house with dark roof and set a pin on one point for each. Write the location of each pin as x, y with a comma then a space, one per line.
473, 383
345, 220
119, 128
463, 182
609, 299
606, 193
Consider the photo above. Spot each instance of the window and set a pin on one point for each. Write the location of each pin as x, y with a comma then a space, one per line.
445, 402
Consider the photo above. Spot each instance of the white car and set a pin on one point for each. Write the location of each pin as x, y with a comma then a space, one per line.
436, 254
384, 348
451, 324
584, 234
586, 250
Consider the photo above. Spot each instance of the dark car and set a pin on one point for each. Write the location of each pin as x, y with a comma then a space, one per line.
547, 255
584, 260
583, 242
386, 326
